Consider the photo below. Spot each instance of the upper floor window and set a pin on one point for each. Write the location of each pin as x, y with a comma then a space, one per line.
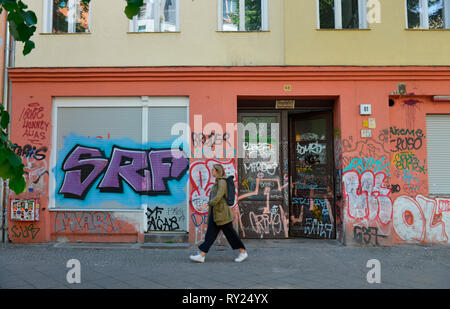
428, 14
67, 16
157, 16
342, 14
243, 15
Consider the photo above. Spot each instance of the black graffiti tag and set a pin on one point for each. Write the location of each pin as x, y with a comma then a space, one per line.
157, 222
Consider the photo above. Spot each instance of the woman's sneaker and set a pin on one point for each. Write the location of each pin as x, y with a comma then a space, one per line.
241, 257
197, 258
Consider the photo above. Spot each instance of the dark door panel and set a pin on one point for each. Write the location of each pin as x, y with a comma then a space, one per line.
311, 170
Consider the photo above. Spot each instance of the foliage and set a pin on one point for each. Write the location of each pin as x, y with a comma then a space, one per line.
11, 166
22, 27
22, 22
252, 15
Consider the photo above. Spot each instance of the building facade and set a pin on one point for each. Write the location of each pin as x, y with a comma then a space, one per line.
332, 117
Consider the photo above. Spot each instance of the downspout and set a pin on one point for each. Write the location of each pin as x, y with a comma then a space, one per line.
7, 106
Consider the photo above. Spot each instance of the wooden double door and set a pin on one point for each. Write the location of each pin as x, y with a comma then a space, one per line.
285, 175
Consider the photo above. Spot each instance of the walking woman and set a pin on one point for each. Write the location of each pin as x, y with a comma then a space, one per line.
220, 217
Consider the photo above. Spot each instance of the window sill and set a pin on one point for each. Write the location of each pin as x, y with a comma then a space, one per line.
75, 33
255, 31
366, 29
154, 32
407, 29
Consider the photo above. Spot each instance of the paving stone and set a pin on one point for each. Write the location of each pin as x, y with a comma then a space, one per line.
285, 264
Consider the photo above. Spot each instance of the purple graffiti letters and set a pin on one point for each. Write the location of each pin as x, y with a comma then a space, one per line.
82, 167
145, 171
129, 165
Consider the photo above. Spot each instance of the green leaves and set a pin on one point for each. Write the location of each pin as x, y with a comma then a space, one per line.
133, 7
4, 119
11, 166
21, 22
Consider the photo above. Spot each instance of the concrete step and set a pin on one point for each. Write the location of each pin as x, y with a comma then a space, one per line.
164, 246
166, 238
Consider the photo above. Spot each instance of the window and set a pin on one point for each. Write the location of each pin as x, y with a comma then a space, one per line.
428, 14
157, 16
70, 16
85, 137
243, 15
342, 14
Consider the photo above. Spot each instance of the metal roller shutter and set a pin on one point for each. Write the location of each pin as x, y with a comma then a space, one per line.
438, 143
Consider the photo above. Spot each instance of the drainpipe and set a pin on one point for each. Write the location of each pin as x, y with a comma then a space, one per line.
7, 106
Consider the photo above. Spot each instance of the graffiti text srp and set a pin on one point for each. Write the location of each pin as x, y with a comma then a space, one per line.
146, 172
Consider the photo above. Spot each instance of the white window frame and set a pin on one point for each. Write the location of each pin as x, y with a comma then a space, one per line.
264, 16
143, 102
133, 24
48, 17
362, 14
424, 15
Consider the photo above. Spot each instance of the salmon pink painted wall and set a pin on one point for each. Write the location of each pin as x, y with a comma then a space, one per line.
213, 94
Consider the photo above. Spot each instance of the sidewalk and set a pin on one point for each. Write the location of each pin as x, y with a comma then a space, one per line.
292, 263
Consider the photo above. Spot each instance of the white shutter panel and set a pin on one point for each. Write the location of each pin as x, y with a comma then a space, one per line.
438, 141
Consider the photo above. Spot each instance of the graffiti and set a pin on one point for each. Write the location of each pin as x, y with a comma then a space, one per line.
318, 228
93, 173
32, 121
370, 148
402, 132
263, 167
367, 235
200, 226
406, 160
156, 221
421, 219
272, 220
368, 164
366, 197
30, 152
210, 140
34, 171
395, 188
269, 222
91, 222
314, 148
406, 139
412, 182
202, 181
146, 172
311, 154
259, 150
24, 231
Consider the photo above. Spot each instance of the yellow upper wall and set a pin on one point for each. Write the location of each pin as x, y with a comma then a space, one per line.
386, 43
292, 39
197, 43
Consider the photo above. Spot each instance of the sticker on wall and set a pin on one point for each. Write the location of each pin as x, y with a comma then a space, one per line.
25, 209
372, 123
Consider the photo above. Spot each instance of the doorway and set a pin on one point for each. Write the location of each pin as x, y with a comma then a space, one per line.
286, 178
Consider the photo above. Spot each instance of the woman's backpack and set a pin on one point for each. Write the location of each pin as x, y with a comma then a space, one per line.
231, 190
